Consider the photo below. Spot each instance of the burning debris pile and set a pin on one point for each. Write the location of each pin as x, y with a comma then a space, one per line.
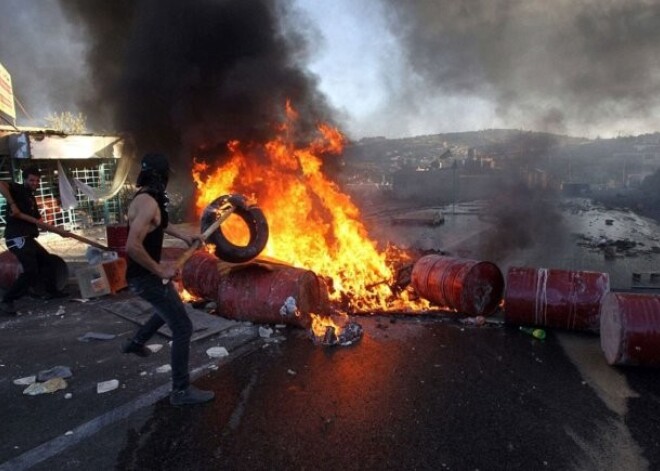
318, 251
204, 94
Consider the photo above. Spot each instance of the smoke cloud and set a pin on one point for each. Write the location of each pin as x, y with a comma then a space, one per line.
45, 58
553, 66
186, 77
180, 77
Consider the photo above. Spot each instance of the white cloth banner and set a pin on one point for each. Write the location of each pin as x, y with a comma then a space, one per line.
88, 191
67, 195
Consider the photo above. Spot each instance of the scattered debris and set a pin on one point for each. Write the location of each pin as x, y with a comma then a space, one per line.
68, 396
291, 372
96, 336
536, 333
60, 311
164, 369
265, 332
69, 432
289, 308
54, 372
26, 381
611, 248
217, 352
476, 321
106, 386
351, 333
155, 347
335, 329
50, 386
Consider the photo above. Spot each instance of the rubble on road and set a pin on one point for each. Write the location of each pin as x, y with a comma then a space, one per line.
50, 386
107, 386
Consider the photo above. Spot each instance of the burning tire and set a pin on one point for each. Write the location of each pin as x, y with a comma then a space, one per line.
257, 225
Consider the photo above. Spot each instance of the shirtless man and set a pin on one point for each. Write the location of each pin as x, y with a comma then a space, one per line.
148, 222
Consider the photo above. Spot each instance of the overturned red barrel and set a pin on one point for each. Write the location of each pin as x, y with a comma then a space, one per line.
171, 254
55, 267
10, 268
630, 329
555, 298
468, 286
257, 291
116, 236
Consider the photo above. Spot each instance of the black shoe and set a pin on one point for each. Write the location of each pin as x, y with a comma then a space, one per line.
190, 396
7, 307
130, 346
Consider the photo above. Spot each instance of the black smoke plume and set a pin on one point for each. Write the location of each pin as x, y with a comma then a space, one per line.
551, 66
185, 77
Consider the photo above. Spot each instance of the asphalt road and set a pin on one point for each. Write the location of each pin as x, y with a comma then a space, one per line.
414, 393
425, 392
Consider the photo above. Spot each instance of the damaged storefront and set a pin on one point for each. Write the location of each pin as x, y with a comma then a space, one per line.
83, 175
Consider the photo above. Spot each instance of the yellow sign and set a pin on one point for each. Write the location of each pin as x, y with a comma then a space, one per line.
6, 93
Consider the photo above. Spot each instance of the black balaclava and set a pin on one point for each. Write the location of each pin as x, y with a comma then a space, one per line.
153, 179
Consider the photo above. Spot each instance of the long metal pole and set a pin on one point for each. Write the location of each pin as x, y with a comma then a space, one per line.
453, 188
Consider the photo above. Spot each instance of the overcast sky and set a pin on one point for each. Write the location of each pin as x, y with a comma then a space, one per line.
402, 68
362, 69
581, 67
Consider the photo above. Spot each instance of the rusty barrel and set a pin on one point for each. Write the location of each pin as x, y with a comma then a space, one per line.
11, 268
171, 254
556, 298
256, 291
630, 329
116, 236
468, 286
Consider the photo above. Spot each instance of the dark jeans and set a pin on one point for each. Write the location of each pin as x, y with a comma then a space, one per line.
170, 310
36, 264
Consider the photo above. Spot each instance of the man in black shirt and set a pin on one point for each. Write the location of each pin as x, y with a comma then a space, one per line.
22, 215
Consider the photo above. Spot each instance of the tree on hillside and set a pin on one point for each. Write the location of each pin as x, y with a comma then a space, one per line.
67, 122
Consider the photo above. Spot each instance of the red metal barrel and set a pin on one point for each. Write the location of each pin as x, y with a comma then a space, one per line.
10, 268
630, 329
171, 254
256, 291
117, 235
549, 297
468, 286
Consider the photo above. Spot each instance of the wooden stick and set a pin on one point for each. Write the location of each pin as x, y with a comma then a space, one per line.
183, 258
226, 211
64, 233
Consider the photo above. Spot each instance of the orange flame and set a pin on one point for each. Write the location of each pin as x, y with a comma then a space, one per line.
320, 323
313, 224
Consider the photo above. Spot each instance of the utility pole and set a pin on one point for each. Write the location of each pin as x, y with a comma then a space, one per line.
454, 167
